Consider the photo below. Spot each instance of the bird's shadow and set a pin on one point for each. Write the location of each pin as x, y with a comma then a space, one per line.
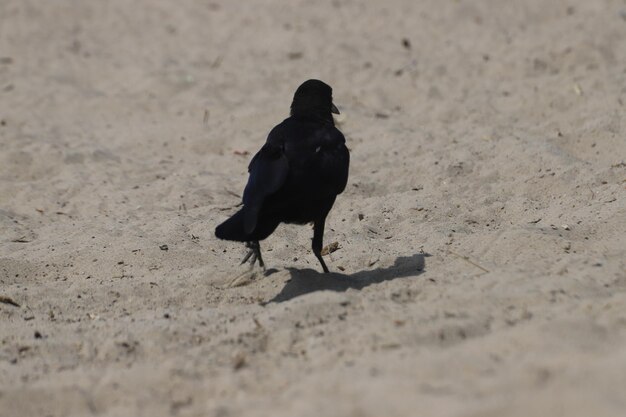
304, 281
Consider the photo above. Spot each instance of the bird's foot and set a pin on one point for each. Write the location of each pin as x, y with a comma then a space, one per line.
251, 274
254, 254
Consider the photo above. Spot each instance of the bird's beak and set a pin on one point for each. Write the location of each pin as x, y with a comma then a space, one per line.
334, 109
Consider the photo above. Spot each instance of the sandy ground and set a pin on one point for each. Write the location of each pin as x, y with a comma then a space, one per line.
482, 260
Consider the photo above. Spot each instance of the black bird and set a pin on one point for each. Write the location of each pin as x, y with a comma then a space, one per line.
296, 175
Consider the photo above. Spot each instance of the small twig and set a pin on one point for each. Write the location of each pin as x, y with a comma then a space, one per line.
372, 263
232, 193
257, 323
328, 249
467, 259
6, 300
229, 207
216, 63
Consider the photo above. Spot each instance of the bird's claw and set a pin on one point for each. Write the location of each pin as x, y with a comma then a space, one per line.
254, 254
251, 274
248, 255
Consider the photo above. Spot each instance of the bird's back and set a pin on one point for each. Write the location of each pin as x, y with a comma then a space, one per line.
318, 162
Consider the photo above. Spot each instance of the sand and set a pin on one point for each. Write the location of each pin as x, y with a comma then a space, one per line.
481, 268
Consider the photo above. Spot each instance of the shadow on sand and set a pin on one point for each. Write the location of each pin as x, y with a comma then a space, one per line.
304, 281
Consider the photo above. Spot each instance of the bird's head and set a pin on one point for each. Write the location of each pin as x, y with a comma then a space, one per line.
314, 98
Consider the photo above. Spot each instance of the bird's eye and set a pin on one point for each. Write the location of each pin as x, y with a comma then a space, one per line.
318, 149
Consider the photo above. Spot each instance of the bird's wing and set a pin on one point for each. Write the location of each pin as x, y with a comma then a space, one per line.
345, 167
268, 171
343, 163
335, 160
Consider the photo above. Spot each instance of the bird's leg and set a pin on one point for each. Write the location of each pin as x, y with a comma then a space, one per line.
318, 235
254, 253
256, 247
248, 255
250, 275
